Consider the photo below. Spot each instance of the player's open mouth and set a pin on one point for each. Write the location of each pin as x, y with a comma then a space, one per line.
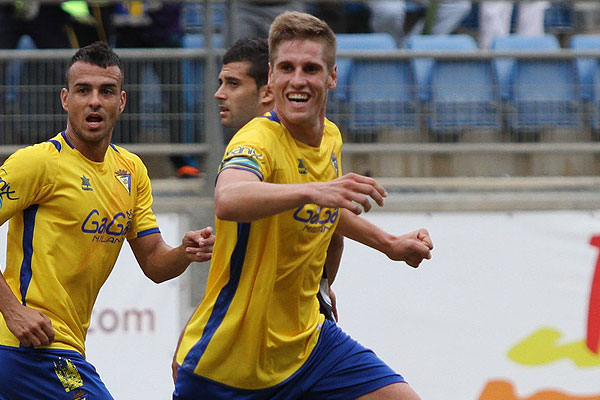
94, 120
298, 98
223, 111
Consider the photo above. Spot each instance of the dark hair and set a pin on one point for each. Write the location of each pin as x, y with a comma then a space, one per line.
97, 53
254, 51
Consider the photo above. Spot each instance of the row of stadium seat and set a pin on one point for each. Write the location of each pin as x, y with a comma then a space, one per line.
456, 95
521, 95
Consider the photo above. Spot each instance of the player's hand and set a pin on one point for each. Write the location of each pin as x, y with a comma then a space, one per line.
351, 191
199, 244
412, 248
32, 327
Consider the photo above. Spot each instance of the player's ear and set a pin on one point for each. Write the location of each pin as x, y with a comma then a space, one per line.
64, 93
265, 95
122, 101
270, 73
332, 78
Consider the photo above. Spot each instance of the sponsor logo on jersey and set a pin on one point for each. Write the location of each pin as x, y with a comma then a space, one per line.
111, 229
5, 192
301, 167
125, 178
315, 218
244, 151
85, 183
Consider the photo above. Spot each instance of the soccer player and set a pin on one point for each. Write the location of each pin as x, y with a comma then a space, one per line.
244, 94
280, 195
72, 201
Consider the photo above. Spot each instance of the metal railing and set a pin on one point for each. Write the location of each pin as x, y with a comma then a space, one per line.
170, 102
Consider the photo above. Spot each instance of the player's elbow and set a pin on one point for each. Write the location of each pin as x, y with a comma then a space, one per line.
224, 211
154, 275
228, 207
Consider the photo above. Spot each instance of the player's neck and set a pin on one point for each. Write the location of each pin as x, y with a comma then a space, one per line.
93, 150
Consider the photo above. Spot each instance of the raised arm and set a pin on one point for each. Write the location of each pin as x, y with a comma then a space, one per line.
241, 196
411, 247
161, 262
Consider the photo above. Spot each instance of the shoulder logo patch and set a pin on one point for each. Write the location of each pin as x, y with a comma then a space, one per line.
125, 178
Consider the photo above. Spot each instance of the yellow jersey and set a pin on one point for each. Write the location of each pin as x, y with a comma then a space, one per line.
259, 320
68, 219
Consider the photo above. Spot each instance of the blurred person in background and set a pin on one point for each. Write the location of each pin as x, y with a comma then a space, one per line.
401, 19
252, 18
155, 25
495, 19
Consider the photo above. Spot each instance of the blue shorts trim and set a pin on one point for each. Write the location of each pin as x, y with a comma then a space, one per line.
339, 368
28, 373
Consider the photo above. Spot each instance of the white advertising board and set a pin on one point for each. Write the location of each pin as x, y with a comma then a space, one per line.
499, 313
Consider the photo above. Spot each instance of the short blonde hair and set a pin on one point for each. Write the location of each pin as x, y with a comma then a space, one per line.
293, 25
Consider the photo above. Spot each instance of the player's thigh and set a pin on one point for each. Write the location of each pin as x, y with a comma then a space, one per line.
395, 391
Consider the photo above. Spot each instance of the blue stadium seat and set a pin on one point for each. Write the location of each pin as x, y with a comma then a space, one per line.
504, 66
357, 41
382, 96
544, 94
586, 67
424, 66
193, 80
541, 94
463, 96
337, 104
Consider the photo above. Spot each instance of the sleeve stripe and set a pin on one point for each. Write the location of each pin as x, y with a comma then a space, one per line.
244, 163
148, 232
234, 166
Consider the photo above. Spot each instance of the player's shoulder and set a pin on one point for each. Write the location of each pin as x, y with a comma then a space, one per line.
260, 131
45, 151
123, 153
266, 122
332, 128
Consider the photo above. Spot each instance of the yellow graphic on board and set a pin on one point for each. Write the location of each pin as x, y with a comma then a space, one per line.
544, 347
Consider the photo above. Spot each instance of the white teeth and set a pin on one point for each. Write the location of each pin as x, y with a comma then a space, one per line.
297, 97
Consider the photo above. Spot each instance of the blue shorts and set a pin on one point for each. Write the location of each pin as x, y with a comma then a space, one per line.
338, 368
28, 373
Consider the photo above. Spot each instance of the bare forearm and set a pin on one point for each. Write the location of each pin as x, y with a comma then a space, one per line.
32, 327
8, 301
250, 201
361, 230
159, 261
167, 263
